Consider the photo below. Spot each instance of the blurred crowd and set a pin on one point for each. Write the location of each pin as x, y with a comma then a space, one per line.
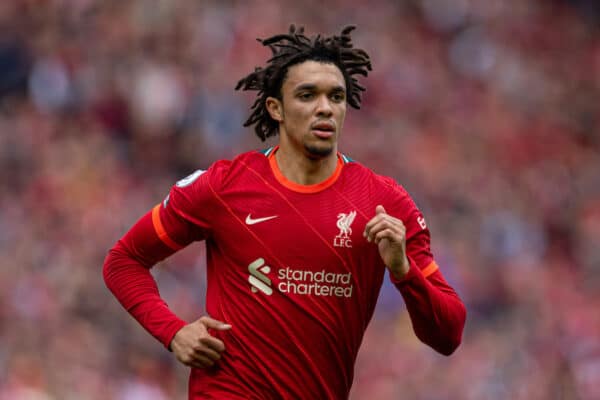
487, 112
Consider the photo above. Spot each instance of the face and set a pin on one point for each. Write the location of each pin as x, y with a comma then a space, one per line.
312, 110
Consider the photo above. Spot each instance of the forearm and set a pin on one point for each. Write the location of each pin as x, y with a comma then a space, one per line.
127, 274
437, 313
135, 288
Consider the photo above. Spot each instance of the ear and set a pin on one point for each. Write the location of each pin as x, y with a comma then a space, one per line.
275, 108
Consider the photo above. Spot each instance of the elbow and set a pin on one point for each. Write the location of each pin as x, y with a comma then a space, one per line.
443, 342
107, 271
454, 339
448, 336
448, 347
446, 344
113, 265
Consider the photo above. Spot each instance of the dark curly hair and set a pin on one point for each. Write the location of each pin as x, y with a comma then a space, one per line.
294, 48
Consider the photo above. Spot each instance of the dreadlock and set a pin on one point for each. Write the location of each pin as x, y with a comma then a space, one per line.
294, 48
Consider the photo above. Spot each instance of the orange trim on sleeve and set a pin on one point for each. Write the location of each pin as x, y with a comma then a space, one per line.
317, 187
430, 269
160, 229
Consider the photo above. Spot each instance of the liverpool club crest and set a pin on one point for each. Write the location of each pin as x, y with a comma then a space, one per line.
344, 220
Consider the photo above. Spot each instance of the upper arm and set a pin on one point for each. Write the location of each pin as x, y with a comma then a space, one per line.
182, 218
418, 238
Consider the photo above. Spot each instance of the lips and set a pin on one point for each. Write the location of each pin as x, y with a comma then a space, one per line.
323, 129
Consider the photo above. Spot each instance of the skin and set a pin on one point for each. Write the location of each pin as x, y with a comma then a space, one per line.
312, 92
194, 346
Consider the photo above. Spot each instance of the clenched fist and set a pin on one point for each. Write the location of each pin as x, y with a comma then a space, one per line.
389, 234
194, 346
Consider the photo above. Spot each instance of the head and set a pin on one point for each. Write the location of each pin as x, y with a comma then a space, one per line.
303, 90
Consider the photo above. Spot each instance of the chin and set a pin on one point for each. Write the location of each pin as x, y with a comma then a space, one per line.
316, 152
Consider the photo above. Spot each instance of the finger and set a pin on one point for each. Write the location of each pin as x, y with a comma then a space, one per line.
394, 225
213, 343
214, 324
207, 352
380, 214
373, 230
195, 364
372, 222
386, 222
193, 360
389, 234
200, 361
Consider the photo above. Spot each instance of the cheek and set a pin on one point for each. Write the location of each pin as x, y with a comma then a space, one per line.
341, 115
298, 116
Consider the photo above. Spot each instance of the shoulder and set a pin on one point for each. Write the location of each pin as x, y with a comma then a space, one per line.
252, 157
252, 161
380, 189
221, 171
202, 186
358, 171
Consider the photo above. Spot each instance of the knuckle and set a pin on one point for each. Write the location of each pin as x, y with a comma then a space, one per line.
198, 348
186, 359
204, 340
205, 362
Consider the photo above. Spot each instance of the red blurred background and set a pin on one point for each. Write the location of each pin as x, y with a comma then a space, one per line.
487, 112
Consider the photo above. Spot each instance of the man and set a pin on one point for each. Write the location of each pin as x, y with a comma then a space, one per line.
298, 240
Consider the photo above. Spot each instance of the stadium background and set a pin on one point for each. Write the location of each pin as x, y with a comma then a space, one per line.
487, 112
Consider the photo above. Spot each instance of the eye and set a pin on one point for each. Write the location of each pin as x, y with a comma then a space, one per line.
305, 96
338, 97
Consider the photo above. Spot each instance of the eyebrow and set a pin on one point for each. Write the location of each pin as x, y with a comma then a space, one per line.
312, 86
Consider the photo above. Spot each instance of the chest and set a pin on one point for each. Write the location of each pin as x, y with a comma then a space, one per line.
308, 230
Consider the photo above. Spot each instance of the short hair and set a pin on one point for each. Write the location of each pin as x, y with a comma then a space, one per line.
294, 48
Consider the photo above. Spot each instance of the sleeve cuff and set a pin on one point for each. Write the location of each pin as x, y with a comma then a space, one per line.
171, 331
413, 272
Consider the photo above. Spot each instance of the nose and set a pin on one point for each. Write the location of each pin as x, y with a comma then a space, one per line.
323, 106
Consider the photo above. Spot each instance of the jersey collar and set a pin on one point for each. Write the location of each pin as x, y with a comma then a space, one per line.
296, 187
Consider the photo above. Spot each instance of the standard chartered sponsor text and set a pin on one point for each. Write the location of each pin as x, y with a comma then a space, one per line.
319, 283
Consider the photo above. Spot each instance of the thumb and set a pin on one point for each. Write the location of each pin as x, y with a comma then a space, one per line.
379, 209
214, 324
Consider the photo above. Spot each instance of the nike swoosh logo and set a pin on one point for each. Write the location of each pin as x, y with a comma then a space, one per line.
252, 221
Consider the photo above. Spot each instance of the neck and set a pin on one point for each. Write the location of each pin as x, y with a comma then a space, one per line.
304, 170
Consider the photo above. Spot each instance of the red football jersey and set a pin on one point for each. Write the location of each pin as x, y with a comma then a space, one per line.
289, 269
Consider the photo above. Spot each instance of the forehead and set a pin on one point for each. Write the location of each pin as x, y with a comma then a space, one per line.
320, 74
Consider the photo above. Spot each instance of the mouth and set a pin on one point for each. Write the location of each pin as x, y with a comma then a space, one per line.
323, 130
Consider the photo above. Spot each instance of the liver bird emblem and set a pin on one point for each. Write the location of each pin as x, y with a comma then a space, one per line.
343, 223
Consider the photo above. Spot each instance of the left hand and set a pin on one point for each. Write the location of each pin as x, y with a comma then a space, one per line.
389, 233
